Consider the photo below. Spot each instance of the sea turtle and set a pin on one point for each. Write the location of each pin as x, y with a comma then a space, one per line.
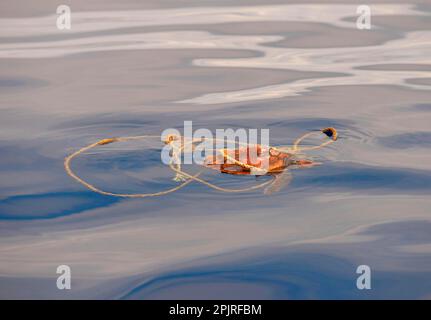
278, 165
261, 160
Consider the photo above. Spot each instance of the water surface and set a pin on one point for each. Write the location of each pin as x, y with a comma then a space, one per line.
135, 68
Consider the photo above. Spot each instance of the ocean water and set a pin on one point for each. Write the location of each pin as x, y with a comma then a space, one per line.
130, 68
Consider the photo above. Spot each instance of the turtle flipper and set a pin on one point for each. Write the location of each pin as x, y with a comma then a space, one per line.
280, 180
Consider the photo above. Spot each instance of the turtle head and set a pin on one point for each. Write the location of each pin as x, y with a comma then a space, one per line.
303, 163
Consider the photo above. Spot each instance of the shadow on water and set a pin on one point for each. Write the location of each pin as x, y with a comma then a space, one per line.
51, 205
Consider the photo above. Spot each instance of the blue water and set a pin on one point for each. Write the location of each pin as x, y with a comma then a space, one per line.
129, 69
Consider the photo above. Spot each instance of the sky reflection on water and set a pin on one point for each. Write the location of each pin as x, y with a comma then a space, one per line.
287, 67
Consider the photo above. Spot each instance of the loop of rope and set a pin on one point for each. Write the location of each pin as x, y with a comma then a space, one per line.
68, 159
182, 175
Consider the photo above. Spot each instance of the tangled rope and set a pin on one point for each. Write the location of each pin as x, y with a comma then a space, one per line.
183, 176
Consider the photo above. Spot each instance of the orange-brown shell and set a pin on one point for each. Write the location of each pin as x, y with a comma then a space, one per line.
250, 156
